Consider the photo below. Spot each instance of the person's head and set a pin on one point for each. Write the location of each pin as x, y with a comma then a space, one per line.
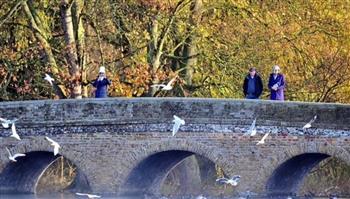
252, 71
102, 71
276, 69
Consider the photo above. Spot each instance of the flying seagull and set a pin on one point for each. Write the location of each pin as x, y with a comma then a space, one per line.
14, 132
308, 125
166, 87
13, 157
55, 145
231, 181
177, 122
6, 123
252, 129
262, 141
88, 195
49, 78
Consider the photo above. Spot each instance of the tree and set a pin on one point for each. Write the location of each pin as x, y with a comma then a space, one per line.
190, 50
147, 42
74, 40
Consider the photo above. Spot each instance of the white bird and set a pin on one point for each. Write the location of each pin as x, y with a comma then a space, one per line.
231, 181
88, 195
55, 145
262, 141
201, 197
49, 78
13, 157
308, 125
166, 87
177, 122
6, 123
14, 132
252, 129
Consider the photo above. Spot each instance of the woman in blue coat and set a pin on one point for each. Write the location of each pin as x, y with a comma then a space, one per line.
276, 84
101, 84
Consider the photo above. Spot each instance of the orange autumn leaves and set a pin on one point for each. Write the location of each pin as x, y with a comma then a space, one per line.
135, 81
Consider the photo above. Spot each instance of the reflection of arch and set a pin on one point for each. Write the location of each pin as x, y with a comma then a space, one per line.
294, 164
23, 176
153, 163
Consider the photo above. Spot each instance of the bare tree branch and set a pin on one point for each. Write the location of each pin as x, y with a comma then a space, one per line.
10, 13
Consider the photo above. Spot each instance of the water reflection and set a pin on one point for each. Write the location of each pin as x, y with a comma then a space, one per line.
53, 196
73, 196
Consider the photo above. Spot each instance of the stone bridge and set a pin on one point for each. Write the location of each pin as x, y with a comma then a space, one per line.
122, 145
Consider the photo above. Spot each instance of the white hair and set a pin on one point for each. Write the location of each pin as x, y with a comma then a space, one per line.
276, 67
102, 69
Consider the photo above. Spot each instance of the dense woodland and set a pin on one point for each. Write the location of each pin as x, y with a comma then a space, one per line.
208, 44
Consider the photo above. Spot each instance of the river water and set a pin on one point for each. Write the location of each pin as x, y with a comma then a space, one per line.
73, 196
54, 196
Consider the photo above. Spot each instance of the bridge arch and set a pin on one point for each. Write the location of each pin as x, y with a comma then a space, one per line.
151, 164
292, 166
24, 175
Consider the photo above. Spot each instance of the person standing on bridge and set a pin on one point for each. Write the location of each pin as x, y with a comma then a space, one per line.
276, 84
252, 85
101, 84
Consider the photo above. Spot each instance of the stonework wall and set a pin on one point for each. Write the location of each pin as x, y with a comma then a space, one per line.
107, 138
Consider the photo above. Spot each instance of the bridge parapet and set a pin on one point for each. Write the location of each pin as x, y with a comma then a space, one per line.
156, 114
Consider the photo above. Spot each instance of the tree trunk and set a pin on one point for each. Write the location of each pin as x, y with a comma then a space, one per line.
190, 48
80, 42
152, 57
69, 38
71, 51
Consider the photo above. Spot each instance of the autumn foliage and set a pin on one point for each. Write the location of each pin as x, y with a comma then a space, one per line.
208, 44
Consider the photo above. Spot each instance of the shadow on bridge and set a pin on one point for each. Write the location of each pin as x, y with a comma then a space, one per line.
25, 175
288, 178
154, 172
